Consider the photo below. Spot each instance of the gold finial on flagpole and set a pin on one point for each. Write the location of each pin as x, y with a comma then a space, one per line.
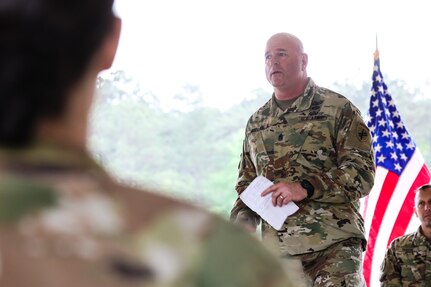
376, 53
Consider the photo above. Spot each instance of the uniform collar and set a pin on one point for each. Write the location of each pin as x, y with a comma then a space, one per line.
302, 103
420, 239
46, 156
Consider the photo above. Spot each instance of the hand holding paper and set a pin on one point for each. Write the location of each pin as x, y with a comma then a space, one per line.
263, 206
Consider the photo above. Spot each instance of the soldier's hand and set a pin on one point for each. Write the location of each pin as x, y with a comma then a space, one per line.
283, 193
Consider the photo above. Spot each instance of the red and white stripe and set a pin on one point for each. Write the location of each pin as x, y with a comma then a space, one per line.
388, 211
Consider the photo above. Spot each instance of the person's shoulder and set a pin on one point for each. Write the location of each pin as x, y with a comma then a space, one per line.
335, 101
65, 208
403, 241
260, 114
20, 198
213, 248
326, 95
151, 206
162, 230
332, 97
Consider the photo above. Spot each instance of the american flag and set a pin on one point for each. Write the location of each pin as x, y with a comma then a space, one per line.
388, 210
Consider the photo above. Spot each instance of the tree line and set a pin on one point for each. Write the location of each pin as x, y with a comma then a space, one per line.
192, 152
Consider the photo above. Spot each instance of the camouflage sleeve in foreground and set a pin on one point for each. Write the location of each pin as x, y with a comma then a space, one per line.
242, 259
64, 222
178, 248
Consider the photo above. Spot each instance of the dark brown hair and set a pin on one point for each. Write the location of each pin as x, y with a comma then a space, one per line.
45, 47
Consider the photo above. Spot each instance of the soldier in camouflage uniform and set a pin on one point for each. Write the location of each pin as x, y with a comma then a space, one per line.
313, 144
408, 258
63, 220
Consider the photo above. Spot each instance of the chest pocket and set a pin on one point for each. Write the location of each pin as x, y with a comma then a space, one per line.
413, 267
279, 145
413, 273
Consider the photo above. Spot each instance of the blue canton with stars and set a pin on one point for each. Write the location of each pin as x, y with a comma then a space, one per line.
392, 144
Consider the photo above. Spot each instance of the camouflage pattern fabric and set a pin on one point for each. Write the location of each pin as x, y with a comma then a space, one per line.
64, 222
407, 262
338, 265
321, 138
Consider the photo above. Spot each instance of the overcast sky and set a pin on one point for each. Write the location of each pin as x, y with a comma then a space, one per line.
219, 45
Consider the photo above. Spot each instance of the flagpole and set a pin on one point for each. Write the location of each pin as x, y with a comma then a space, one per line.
376, 53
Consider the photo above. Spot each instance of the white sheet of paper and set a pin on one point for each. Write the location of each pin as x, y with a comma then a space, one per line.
274, 215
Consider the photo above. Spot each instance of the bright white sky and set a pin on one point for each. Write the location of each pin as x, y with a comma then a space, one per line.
219, 45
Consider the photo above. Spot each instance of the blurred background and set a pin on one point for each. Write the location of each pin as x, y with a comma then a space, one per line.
171, 112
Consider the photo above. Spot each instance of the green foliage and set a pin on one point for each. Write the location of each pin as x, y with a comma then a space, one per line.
190, 151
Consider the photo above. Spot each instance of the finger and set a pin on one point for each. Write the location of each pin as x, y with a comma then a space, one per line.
267, 191
284, 201
280, 200
276, 199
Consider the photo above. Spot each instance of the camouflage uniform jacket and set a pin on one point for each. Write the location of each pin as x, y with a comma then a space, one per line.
407, 262
64, 222
323, 139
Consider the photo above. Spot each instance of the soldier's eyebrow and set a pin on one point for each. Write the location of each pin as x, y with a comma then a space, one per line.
277, 50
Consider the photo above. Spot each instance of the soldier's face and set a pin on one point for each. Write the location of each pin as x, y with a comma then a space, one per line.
284, 62
423, 207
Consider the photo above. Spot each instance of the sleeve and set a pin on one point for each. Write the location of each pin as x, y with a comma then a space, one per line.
390, 274
246, 174
352, 177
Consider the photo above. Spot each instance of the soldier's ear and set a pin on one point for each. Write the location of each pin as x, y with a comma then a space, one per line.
304, 61
110, 45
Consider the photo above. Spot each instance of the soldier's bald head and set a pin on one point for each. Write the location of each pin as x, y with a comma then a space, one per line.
288, 38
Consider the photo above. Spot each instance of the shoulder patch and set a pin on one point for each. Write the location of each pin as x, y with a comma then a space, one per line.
362, 132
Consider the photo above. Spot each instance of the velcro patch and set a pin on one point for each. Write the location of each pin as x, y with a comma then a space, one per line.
362, 132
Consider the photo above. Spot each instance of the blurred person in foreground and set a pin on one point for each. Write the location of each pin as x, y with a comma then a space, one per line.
63, 220
313, 144
408, 259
